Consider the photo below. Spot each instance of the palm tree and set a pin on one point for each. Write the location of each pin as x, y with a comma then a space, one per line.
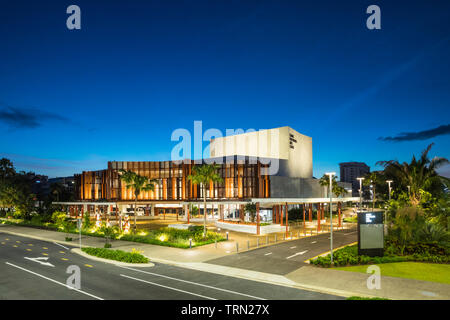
372, 178
419, 174
138, 183
250, 208
336, 189
204, 175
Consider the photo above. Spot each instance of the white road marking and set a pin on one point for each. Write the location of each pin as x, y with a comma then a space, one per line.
297, 254
346, 234
160, 285
314, 242
266, 254
38, 260
293, 247
195, 283
61, 245
60, 283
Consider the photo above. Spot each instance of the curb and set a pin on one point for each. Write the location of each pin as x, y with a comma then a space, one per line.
326, 253
114, 262
259, 277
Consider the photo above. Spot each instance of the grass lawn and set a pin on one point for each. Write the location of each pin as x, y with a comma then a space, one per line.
411, 270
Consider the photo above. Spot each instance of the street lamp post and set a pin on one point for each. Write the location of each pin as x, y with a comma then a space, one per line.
360, 192
331, 174
389, 184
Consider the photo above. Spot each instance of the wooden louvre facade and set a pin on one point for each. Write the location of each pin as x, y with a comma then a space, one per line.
242, 180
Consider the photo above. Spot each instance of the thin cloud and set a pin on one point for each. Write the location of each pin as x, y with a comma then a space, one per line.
420, 135
17, 117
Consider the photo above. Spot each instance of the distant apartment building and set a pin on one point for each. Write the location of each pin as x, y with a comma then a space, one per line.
349, 171
66, 182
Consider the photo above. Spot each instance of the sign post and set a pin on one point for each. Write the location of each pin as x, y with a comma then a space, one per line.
370, 233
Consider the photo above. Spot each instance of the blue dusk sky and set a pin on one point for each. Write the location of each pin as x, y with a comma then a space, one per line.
70, 100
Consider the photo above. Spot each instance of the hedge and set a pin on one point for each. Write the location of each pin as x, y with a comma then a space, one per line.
349, 256
118, 255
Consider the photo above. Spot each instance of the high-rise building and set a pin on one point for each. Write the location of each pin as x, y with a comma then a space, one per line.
352, 170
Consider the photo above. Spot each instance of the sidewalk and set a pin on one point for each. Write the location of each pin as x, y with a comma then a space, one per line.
336, 282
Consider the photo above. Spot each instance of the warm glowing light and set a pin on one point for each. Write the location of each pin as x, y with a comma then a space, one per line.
162, 237
143, 233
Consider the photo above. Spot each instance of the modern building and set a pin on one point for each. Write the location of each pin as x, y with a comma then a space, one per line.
272, 168
349, 171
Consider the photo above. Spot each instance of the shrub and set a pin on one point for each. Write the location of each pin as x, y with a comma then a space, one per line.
118, 255
87, 224
58, 217
36, 220
349, 256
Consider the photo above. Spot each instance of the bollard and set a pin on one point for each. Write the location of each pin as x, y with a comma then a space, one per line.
291, 235
215, 243
284, 236
190, 243
237, 247
227, 235
267, 239
257, 242
248, 244
298, 234
275, 238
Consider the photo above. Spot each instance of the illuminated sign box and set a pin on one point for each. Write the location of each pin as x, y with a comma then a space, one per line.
370, 233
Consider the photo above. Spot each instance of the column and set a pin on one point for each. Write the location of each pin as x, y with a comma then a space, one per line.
257, 219
280, 207
304, 209
318, 216
310, 212
286, 210
187, 213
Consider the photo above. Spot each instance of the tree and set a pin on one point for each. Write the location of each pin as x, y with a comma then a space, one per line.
250, 208
138, 183
204, 175
15, 192
419, 174
336, 189
372, 179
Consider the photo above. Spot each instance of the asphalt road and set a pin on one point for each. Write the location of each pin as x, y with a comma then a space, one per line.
287, 256
42, 278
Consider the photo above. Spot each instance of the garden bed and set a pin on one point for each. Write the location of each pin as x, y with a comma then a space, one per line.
118, 255
349, 256
170, 237
250, 228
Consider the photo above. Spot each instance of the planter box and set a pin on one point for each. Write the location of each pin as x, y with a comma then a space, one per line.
246, 228
180, 226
